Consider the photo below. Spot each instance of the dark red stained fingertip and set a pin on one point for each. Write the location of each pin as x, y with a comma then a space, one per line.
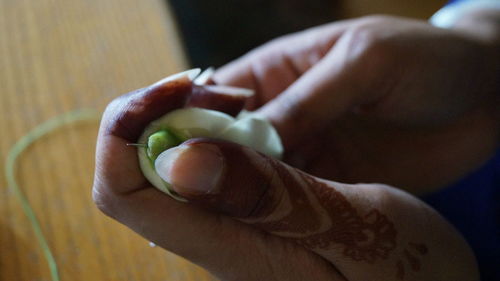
132, 112
213, 97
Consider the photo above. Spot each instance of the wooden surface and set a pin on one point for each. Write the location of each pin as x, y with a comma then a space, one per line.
56, 56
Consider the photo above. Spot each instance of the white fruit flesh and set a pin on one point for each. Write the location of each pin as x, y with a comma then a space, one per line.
248, 129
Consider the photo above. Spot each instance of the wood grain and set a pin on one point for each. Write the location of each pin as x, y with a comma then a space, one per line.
56, 56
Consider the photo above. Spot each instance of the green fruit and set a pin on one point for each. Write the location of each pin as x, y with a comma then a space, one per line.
159, 142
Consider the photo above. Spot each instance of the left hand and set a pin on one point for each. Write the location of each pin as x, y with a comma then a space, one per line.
255, 218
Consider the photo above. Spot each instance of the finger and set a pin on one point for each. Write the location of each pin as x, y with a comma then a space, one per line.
306, 80
271, 68
123, 121
233, 179
229, 100
332, 219
127, 116
319, 96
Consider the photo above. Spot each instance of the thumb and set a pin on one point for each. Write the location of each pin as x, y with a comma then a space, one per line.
220, 175
334, 220
366, 231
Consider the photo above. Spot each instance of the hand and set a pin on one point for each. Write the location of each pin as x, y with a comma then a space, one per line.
387, 99
255, 218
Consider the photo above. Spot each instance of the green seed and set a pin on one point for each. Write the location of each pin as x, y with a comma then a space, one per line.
159, 142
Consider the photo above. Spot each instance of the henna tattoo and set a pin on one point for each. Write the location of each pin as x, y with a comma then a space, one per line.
420, 248
300, 219
411, 259
364, 238
289, 203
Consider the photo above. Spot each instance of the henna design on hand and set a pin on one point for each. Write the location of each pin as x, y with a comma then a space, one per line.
364, 238
420, 248
291, 204
411, 259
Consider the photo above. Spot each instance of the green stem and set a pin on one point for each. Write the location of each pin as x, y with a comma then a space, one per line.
17, 149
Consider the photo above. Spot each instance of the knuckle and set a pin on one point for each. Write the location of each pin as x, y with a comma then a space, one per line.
369, 50
118, 104
122, 116
376, 19
104, 201
366, 42
274, 46
111, 111
280, 41
268, 203
369, 40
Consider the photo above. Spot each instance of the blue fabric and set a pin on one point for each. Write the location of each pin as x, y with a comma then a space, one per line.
473, 206
454, 1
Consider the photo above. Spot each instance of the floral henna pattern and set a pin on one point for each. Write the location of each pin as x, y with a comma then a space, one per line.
411, 259
420, 248
364, 238
321, 218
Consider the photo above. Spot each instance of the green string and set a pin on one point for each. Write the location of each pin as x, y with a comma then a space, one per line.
10, 163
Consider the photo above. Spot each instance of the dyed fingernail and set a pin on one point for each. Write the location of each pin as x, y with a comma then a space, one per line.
191, 169
189, 74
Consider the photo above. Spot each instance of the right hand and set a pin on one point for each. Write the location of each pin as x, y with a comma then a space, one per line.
387, 99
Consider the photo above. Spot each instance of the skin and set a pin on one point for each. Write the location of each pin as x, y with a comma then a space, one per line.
369, 92
381, 96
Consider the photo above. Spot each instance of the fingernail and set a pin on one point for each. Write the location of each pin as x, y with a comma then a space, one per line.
191, 169
189, 74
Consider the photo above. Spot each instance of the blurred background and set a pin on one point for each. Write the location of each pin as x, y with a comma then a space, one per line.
216, 32
57, 56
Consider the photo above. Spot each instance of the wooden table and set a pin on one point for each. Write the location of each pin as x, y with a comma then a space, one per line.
57, 56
